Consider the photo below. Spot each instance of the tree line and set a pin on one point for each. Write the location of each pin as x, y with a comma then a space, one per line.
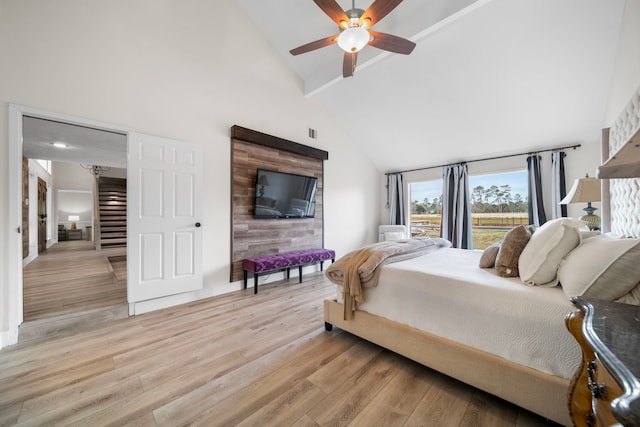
494, 199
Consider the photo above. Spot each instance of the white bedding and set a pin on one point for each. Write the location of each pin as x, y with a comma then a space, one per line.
447, 294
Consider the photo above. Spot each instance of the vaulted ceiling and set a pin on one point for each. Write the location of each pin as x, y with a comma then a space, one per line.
486, 77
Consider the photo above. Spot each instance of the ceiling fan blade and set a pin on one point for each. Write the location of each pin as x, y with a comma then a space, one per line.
334, 11
314, 45
378, 10
349, 64
391, 43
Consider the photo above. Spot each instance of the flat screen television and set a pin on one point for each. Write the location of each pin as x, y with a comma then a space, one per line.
281, 195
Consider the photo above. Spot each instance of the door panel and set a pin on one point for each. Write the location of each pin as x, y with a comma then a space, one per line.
184, 195
165, 245
184, 265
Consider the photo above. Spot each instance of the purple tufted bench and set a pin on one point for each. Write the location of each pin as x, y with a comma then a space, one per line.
277, 262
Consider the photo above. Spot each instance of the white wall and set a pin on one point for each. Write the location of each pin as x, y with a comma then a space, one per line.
626, 77
75, 202
71, 176
7, 332
625, 81
578, 163
74, 181
185, 70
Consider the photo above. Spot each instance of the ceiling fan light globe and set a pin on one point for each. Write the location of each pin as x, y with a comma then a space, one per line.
353, 39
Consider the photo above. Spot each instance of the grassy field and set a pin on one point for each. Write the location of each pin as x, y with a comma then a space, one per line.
484, 237
487, 228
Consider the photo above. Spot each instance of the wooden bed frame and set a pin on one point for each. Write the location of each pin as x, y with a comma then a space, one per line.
528, 388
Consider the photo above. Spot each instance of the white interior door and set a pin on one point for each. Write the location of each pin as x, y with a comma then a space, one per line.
164, 237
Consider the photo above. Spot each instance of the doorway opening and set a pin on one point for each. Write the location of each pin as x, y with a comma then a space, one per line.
165, 237
71, 280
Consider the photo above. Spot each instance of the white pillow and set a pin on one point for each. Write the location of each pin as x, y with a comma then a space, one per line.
601, 267
540, 259
585, 234
394, 235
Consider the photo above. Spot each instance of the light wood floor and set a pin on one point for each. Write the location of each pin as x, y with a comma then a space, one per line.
237, 359
72, 277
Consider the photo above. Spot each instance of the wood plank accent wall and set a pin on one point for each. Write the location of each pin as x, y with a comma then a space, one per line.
251, 150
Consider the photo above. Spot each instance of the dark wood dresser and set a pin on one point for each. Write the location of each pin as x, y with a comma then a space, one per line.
606, 388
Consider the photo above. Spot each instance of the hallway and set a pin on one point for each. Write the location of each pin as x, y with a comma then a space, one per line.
72, 277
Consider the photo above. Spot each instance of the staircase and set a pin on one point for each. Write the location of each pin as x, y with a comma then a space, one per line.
112, 205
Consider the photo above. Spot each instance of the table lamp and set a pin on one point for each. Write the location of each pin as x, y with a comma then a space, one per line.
73, 219
585, 190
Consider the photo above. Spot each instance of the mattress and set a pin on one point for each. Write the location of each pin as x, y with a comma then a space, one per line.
445, 293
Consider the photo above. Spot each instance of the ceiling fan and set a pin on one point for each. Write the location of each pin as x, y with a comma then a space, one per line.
354, 33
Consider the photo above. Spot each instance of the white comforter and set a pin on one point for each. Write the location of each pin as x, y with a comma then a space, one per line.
447, 294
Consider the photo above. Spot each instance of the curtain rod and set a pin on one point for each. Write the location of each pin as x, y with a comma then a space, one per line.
487, 158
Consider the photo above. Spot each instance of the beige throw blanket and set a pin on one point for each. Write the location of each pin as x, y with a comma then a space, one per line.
360, 268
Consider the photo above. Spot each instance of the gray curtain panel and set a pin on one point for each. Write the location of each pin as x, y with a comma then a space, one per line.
396, 199
456, 207
558, 185
537, 216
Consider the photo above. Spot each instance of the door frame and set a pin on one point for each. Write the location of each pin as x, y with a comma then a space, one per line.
42, 205
16, 114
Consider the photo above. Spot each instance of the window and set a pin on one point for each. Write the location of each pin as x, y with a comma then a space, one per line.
426, 208
498, 203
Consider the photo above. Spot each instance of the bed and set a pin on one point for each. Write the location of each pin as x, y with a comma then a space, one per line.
500, 334
440, 309
503, 335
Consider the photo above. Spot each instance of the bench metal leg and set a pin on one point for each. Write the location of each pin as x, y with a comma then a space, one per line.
288, 273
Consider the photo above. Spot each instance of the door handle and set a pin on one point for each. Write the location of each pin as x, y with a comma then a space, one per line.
198, 225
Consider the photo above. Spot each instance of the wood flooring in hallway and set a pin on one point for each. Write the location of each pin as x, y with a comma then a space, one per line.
72, 277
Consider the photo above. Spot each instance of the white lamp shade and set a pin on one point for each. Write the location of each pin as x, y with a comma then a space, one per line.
353, 39
583, 190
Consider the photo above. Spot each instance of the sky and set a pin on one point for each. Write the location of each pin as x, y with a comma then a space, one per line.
432, 189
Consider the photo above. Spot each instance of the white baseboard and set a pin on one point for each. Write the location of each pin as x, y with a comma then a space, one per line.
8, 338
141, 307
29, 258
